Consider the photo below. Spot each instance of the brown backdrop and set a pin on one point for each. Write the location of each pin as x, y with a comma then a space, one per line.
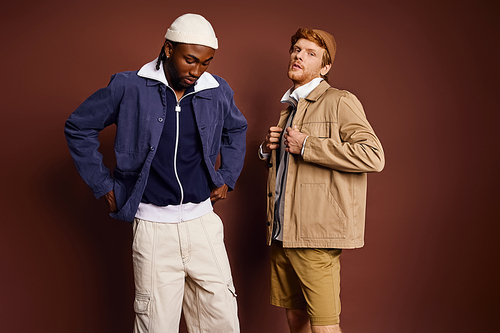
426, 72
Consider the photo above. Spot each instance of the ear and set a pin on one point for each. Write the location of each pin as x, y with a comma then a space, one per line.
168, 48
325, 69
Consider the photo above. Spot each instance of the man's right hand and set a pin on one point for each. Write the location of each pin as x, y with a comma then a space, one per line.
272, 139
111, 201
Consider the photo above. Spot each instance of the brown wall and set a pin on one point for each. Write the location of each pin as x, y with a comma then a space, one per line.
426, 72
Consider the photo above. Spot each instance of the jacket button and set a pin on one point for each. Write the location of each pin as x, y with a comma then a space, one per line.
160, 120
270, 165
269, 194
268, 224
152, 148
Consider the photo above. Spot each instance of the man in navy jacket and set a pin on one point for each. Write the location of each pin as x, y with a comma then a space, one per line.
172, 121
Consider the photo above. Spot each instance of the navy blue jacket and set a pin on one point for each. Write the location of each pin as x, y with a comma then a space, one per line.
137, 106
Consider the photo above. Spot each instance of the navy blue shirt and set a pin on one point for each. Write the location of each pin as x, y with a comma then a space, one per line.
162, 188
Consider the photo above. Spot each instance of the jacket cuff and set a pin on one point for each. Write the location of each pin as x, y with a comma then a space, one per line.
263, 156
306, 148
303, 147
225, 179
103, 188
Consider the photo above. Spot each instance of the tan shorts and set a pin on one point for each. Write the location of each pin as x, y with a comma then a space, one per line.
183, 266
309, 279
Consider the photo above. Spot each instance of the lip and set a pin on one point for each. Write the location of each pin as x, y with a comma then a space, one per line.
190, 80
296, 65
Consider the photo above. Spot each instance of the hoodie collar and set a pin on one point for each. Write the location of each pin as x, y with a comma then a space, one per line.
148, 71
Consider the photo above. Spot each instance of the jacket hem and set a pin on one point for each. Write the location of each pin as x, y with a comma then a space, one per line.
324, 245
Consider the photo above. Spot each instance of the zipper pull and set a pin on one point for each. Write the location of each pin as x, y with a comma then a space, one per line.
177, 108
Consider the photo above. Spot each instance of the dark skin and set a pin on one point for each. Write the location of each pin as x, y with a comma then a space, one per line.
185, 63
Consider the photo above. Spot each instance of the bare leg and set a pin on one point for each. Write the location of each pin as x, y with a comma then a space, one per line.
298, 321
327, 329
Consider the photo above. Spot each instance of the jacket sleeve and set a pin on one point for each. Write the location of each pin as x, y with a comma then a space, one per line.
359, 149
82, 135
233, 143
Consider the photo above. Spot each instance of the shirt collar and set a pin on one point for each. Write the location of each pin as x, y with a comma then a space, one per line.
205, 81
293, 96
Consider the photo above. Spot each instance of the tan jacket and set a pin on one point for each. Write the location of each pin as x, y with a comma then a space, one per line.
325, 199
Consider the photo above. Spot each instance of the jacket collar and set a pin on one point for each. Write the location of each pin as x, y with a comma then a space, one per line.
293, 96
318, 91
148, 71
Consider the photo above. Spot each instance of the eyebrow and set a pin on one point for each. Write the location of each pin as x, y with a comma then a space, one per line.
307, 49
197, 59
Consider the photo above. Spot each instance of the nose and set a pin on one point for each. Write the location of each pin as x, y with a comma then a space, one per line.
300, 55
196, 71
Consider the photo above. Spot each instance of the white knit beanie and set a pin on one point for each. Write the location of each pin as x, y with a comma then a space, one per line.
192, 29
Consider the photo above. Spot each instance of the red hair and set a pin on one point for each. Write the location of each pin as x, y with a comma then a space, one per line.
314, 37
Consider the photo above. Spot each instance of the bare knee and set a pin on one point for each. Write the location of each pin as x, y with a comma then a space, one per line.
298, 321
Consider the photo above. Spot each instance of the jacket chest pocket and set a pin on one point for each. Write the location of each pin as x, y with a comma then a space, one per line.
321, 130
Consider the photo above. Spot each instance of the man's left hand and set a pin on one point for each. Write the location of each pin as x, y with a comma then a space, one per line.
218, 193
294, 139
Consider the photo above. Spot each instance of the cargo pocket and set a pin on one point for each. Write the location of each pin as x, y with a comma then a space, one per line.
142, 305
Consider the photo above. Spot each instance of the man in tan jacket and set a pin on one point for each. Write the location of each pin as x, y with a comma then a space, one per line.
318, 156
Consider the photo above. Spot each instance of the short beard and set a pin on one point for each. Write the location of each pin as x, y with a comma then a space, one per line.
176, 80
